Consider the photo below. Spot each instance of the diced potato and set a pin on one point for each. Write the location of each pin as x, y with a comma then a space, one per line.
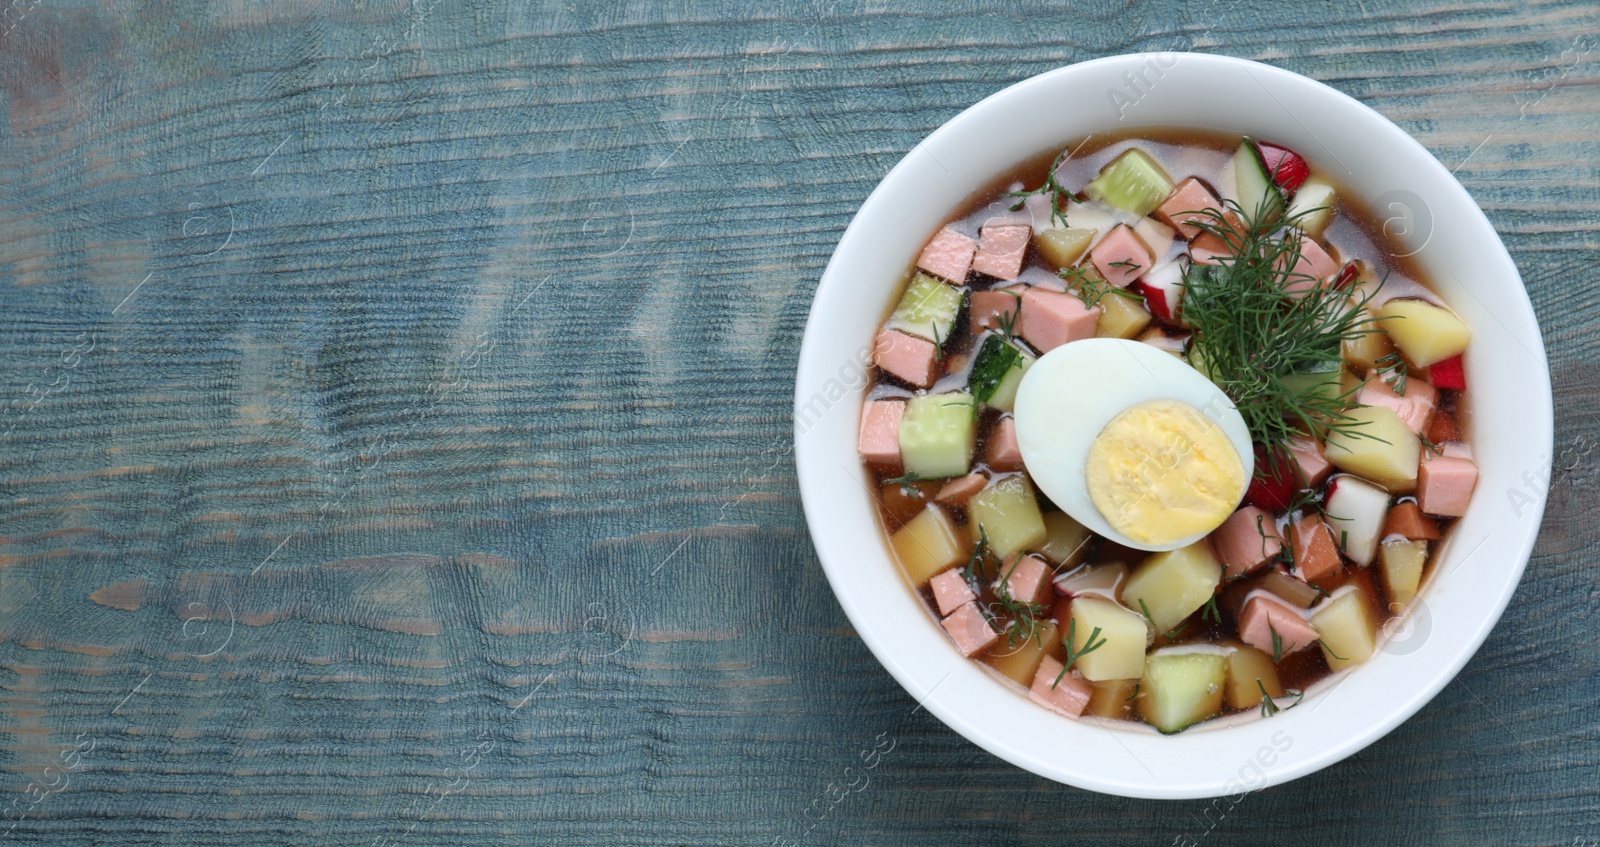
1313, 206
1122, 317
1112, 698
1250, 670
1425, 333
927, 310
928, 544
1008, 513
1347, 628
937, 435
1402, 563
1063, 247
1382, 448
1181, 686
1173, 585
1066, 541
1022, 662
1125, 634
1365, 350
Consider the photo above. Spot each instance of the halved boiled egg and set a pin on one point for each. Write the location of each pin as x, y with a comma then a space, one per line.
1132, 442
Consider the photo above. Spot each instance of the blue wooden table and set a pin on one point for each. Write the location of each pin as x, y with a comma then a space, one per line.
396, 412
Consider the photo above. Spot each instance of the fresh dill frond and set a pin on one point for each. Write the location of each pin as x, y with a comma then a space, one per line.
1091, 288
1330, 651
1089, 646
1211, 612
1393, 371
1269, 707
1277, 643
1257, 321
906, 487
1008, 320
1024, 614
1060, 197
969, 571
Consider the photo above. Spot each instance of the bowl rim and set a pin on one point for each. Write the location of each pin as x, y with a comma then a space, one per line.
974, 705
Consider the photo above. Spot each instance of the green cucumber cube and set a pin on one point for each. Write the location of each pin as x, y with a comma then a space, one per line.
1133, 181
1182, 686
997, 371
937, 435
928, 309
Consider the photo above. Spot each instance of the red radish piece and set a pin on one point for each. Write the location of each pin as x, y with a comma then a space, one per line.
1273, 486
1346, 276
1355, 511
1163, 289
1288, 170
1449, 373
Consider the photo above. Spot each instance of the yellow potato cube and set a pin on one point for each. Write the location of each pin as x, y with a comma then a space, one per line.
928, 544
1425, 333
1123, 637
1173, 585
1249, 671
1378, 446
1347, 628
1066, 541
1402, 563
1121, 317
1063, 247
1008, 513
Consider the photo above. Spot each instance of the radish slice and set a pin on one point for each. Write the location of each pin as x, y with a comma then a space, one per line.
1163, 290
1287, 168
1273, 486
1355, 511
1449, 373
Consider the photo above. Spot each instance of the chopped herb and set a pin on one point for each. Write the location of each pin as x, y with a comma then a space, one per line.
1277, 643
938, 343
1089, 646
1253, 327
1269, 707
969, 571
1024, 614
1008, 320
1092, 288
906, 487
1330, 651
1130, 697
1145, 610
1394, 369
1211, 612
1060, 197
1126, 264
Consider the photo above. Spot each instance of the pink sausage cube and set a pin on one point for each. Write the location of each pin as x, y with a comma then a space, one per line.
958, 491
1053, 318
1313, 269
879, 438
1001, 248
906, 357
949, 255
1188, 203
1027, 580
1263, 614
970, 630
951, 591
1070, 696
1311, 463
1445, 483
1246, 540
989, 306
1003, 453
1415, 407
1121, 257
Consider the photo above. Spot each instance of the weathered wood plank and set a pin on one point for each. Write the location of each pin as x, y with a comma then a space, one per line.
394, 415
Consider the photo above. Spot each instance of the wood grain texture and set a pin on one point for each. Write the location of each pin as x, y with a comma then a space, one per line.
397, 409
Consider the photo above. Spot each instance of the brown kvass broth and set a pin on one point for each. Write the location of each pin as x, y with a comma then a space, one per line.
1355, 233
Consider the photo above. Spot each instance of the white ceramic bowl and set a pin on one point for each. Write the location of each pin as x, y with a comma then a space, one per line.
1506, 368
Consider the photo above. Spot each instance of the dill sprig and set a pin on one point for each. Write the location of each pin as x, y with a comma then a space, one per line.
1090, 287
1269, 707
906, 486
1252, 328
1089, 646
1024, 614
969, 571
1393, 369
1060, 197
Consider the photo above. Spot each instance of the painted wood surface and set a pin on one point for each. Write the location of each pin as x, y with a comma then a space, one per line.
397, 396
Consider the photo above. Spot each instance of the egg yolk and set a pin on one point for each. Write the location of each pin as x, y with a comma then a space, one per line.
1162, 471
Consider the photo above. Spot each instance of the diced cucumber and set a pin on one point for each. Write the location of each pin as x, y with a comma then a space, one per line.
1182, 686
1063, 247
937, 435
997, 371
1174, 584
1133, 182
928, 309
1008, 514
1321, 381
1313, 207
1258, 196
